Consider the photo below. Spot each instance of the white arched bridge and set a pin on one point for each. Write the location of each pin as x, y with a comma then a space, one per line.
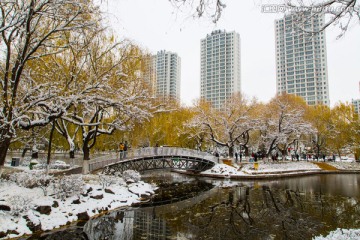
151, 158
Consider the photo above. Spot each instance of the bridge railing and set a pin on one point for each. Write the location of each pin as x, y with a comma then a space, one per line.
114, 157
100, 162
169, 151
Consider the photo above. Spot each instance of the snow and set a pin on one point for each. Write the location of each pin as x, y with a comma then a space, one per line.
248, 169
123, 195
341, 234
343, 165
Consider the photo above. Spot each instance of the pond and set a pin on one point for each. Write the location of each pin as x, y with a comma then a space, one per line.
294, 208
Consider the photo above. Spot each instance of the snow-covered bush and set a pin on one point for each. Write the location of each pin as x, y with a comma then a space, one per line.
44, 181
39, 166
26, 161
341, 234
3, 180
108, 180
33, 179
67, 186
19, 204
56, 165
59, 165
131, 176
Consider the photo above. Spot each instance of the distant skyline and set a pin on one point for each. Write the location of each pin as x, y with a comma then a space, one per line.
156, 25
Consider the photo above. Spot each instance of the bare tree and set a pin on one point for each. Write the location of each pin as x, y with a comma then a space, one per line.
194, 132
203, 8
228, 126
120, 99
31, 30
340, 12
283, 123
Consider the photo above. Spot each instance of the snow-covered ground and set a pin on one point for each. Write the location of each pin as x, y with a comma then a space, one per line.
29, 209
345, 165
24, 210
341, 234
248, 169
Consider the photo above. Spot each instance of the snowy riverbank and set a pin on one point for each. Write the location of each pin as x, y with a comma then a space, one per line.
25, 210
29, 203
264, 169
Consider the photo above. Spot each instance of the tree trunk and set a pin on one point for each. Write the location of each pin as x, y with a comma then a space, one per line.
71, 147
339, 153
26, 148
86, 152
50, 143
35, 154
4, 147
86, 158
231, 151
318, 153
246, 152
72, 154
284, 154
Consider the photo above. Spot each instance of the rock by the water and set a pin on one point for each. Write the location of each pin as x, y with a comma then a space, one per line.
34, 227
109, 191
97, 196
4, 234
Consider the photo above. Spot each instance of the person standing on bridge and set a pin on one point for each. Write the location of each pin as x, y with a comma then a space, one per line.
121, 149
125, 149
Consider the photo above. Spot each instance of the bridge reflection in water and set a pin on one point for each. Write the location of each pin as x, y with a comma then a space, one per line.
155, 158
134, 224
296, 208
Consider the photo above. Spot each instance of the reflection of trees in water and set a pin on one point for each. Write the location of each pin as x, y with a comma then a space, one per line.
236, 213
114, 225
339, 211
247, 213
265, 212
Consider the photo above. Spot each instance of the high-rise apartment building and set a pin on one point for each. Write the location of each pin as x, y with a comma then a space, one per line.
149, 75
301, 60
163, 75
356, 104
220, 67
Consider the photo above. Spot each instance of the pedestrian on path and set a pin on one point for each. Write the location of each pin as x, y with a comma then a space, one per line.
125, 149
121, 149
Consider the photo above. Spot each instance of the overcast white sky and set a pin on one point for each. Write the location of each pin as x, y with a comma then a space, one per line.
157, 25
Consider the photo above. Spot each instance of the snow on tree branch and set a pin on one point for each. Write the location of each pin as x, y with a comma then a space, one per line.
32, 30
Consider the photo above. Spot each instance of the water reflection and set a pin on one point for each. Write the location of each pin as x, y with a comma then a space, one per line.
297, 208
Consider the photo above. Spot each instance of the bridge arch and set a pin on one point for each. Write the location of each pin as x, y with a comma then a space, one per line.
143, 159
